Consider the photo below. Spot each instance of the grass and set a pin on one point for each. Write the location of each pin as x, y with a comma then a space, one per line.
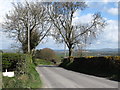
0, 80
30, 79
0, 70
34, 78
42, 62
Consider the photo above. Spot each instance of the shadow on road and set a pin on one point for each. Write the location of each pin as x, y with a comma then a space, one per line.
87, 73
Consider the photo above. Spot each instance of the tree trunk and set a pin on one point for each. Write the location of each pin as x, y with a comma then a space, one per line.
70, 51
24, 47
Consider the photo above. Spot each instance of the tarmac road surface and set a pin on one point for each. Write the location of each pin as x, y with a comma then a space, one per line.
57, 77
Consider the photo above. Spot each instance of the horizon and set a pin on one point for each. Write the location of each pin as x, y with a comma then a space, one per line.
67, 49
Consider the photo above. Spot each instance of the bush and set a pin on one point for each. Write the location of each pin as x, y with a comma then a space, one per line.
30, 79
46, 54
13, 62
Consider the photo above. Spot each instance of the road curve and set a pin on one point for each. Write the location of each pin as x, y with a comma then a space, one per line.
56, 77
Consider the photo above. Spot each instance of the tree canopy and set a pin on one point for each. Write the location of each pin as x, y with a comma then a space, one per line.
64, 31
40, 17
24, 16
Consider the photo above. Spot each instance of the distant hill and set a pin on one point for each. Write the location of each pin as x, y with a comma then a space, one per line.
106, 50
103, 50
95, 52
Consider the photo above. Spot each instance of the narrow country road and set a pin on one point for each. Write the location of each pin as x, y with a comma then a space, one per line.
56, 77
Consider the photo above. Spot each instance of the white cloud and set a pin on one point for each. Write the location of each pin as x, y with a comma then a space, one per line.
109, 34
98, 42
50, 43
82, 19
77, 13
111, 31
105, 1
113, 11
4, 8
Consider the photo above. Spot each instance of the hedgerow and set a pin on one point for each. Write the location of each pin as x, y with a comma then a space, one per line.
13, 62
107, 66
26, 75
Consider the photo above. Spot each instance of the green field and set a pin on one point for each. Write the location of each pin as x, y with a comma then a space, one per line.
42, 62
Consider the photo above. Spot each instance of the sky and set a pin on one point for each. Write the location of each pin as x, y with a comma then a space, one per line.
106, 39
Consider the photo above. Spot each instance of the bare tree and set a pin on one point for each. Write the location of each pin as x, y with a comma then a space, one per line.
17, 23
62, 14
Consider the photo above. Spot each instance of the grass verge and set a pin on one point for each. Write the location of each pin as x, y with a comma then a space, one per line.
42, 62
30, 79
